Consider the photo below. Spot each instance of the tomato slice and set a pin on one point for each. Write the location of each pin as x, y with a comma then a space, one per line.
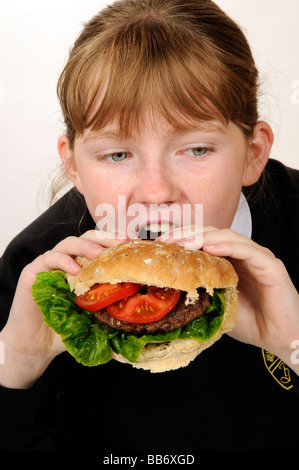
101, 295
145, 308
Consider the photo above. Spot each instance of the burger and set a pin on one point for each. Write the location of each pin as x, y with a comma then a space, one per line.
151, 304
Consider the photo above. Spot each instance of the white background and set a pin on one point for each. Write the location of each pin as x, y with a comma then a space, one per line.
35, 37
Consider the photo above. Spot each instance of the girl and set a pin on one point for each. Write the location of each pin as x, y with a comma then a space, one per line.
160, 105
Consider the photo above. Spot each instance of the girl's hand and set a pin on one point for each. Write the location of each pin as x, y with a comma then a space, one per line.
268, 314
29, 345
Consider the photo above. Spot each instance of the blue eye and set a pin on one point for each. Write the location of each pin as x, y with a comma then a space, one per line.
118, 156
199, 151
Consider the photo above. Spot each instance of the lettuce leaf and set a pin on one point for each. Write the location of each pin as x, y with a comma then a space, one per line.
91, 342
83, 337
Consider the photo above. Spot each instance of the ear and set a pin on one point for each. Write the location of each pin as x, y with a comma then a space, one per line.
260, 145
67, 157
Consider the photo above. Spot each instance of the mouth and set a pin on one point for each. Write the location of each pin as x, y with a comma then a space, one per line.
154, 230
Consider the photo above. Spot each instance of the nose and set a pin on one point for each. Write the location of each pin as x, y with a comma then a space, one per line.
156, 184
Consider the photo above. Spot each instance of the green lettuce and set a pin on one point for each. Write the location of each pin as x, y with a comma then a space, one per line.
91, 342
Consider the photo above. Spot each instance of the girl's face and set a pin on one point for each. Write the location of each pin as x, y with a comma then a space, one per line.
205, 166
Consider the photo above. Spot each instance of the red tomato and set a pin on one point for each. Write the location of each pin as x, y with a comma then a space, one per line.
145, 308
101, 295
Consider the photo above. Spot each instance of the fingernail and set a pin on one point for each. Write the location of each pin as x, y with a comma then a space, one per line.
97, 248
212, 248
74, 266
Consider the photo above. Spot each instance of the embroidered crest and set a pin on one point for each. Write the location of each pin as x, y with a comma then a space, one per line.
277, 368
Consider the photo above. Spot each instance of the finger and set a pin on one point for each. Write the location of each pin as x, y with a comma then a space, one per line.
47, 262
214, 236
186, 232
257, 260
231, 243
190, 237
63, 254
106, 239
85, 246
77, 246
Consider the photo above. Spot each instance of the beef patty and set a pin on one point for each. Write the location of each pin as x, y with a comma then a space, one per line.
176, 318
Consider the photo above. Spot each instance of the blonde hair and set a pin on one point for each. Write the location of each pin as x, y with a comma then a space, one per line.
183, 59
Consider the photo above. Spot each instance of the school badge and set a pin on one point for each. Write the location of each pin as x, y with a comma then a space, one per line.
277, 368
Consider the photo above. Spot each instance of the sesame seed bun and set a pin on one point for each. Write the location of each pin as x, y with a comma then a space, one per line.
155, 263
163, 265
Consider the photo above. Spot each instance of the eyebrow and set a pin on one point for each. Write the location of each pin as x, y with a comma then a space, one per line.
208, 127
102, 135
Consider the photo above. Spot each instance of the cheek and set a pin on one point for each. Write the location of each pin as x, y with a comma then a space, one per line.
103, 188
219, 191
